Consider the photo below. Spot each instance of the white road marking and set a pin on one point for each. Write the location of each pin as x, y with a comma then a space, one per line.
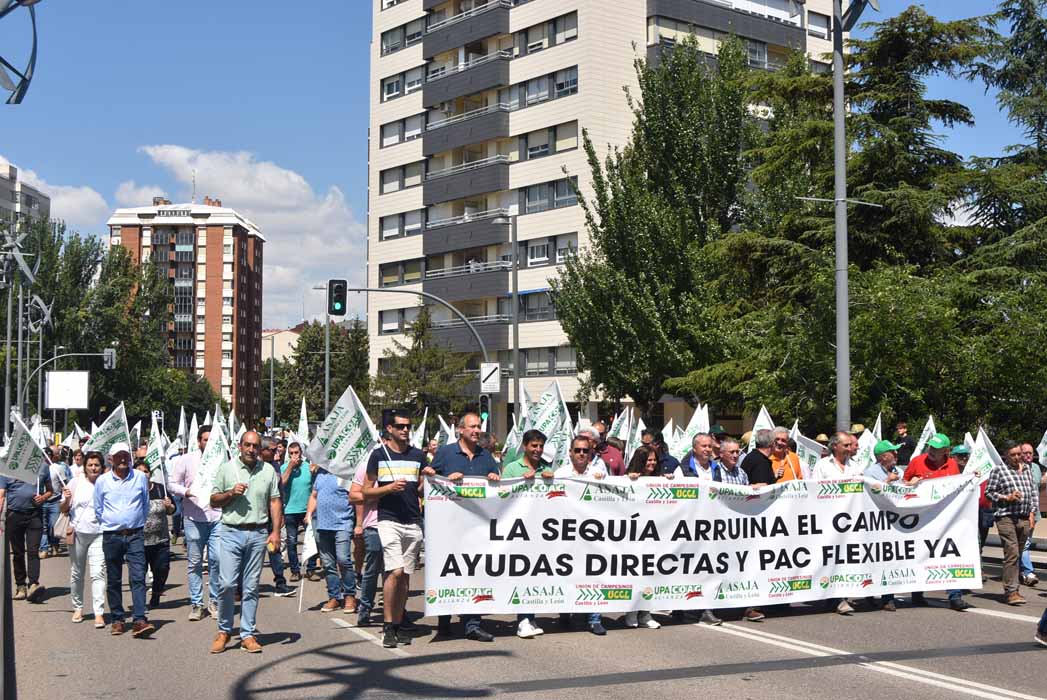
1028, 619
366, 636
958, 685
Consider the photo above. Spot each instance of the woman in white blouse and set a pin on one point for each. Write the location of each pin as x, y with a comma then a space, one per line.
78, 502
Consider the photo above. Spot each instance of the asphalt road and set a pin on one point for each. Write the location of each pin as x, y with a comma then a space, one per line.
801, 653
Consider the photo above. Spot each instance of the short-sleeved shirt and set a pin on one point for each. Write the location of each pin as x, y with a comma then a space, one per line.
370, 511
252, 507
594, 470
82, 506
333, 511
517, 468
299, 486
791, 462
919, 467
19, 494
452, 458
385, 466
758, 468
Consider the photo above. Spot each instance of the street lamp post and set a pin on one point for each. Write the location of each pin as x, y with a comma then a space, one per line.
514, 261
327, 351
54, 413
272, 385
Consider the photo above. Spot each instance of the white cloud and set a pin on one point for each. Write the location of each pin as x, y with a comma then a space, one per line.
82, 207
310, 236
130, 194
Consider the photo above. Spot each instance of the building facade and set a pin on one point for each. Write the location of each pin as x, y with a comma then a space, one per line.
213, 257
19, 201
477, 111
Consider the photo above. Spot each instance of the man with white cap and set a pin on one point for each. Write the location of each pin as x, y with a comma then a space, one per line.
121, 502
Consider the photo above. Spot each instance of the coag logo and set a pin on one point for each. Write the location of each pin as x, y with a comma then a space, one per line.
459, 595
533, 489
846, 581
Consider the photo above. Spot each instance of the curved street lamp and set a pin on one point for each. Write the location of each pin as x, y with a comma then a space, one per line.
25, 76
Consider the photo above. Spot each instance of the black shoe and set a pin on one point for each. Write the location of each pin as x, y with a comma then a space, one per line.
918, 601
403, 636
597, 629
281, 590
710, 619
408, 626
566, 621
389, 637
443, 629
154, 602
679, 617
479, 635
958, 604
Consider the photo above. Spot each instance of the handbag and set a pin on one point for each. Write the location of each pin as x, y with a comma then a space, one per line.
63, 528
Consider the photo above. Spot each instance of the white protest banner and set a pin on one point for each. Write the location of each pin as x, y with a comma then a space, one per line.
549, 415
614, 545
182, 437
216, 452
763, 421
23, 457
154, 455
1041, 449
511, 446
346, 437
864, 458
928, 432
445, 435
303, 423
112, 431
809, 453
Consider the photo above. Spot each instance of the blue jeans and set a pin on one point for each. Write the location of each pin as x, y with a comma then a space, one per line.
48, 542
240, 555
1042, 627
276, 563
197, 535
1025, 561
117, 550
372, 567
292, 521
336, 554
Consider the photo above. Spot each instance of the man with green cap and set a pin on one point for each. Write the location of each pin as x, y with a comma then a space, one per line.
885, 469
934, 464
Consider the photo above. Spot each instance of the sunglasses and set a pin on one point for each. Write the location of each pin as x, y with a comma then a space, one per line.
581, 450
401, 426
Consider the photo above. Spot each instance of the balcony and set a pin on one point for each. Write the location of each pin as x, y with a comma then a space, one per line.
472, 281
475, 126
491, 19
493, 331
472, 230
481, 73
460, 181
763, 20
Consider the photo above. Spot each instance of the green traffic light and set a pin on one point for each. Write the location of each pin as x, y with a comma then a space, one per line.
483, 416
338, 306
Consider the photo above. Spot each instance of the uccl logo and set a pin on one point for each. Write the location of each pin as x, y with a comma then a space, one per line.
602, 594
671, 493
784, 586
948, 573
439, 491
534, 489
837, 489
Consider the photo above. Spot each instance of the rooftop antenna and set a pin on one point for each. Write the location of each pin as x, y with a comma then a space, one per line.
194, 185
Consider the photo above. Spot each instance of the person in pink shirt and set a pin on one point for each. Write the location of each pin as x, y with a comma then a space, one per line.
366, 529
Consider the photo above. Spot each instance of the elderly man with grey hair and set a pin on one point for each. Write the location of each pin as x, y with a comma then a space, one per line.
593, 435
757, 464
837, 465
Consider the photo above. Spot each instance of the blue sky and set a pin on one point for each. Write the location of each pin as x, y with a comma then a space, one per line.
268, 104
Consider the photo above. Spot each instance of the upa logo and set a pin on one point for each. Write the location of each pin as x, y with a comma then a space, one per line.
602, 594
846, 581
538, 595
746, 589
472, 595
603, 493
533, 490
893, 491
440, 491
731, 493
840, 489
671, 494
898, 577
786, 586
673, 592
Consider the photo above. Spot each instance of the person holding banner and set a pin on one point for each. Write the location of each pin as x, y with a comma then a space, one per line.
51, 542
655, 439
1016, 498
610, 454
394, 472
248, 493
24, 524
784, 462
757, 464
465, 457
885, 469
200, 521
646, 464
121, 502
78, 503
837, 465
699, 462
157, 535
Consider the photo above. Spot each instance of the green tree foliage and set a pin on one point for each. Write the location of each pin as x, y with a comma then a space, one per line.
657, 201
423, 373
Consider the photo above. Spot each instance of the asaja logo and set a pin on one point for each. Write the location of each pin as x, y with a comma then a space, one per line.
675, 592
533, 490
795, 488
949, 573
608, 493
846, 581
537, 595
599, 595
671, 494
839, 489
440, 491
782, 587
738, 590
897, 577
459, 595
731, 493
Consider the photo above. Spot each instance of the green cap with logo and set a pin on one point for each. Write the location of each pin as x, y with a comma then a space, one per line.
938, 441
717, 429
960, 450
885, 446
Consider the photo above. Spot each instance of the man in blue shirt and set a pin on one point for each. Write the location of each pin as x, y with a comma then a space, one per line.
121, 507
333, 520
25, 526
464, 458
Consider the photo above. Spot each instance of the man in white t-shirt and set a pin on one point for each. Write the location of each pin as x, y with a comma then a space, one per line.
581, 461
837, 465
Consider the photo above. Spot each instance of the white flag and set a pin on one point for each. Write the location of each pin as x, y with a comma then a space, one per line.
136, 436
309, 545
216, 453
239, 434
303, 424
445, 435
182, 437
864, 458
809, 453
23, 457
220, 424
928, 432
154, 456
983, 457
346, 437
699, 423
110, 432
635, 440
234, 424
191, 446
1041, 449
36, 429
418, 434
94, 428
207, 419
878, 428
795, 430
763, 421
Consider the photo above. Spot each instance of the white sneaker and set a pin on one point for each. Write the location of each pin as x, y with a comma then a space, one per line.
525, 630
645, 620
630, 620
844, 608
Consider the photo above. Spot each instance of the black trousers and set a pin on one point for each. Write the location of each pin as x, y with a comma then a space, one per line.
158, 559
24, 530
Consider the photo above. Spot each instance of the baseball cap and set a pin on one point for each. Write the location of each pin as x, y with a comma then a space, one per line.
885, 446
717, 429
938, 441
118, 447
961, 450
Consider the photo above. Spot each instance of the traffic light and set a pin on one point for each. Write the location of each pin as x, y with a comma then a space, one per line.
337, 291
109, 358
485, 406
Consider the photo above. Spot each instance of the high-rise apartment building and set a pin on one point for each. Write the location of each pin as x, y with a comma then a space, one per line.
20, 201
213, 257
477, 110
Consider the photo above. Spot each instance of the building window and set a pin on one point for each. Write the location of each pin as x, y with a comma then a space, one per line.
389, 274
536, 307
537, 199
413, 79
566, 246
818, 25
389, 321
391, 87
564, 195
412, 271
390, 180
566, 28
536, 362
566, 361
537, 253
567, 82
392, 40
757, 51
566, 136
537, 90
